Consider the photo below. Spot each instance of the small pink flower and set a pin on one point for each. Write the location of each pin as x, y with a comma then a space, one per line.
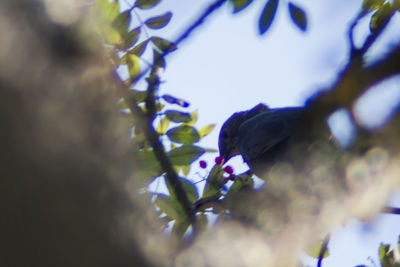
228, 169
203, 164
219, 160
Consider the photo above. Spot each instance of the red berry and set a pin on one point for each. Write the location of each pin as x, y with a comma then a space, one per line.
228, 169
219, 160
203, 164
232, 177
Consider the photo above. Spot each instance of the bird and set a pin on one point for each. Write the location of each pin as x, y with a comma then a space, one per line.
261, 135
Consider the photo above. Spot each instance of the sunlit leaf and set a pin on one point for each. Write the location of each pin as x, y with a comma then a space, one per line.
381, 17
195, 116
139, 49
108, 10
163, 125
178, 116
170, 206
159, 21
298, 16
185, 154
185, 170
173, 100
239, 5
133, 66
183, 134
163, 44
267, 15
372, 4
204, 131
144, 4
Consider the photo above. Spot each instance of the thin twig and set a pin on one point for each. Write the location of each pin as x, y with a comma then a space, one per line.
209, 10
391, 210
323, 250
354, 51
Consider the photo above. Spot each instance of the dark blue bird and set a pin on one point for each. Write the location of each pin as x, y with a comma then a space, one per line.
261, 135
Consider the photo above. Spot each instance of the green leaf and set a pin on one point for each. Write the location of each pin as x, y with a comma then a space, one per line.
163, 44
204, 131
170, 207
122, 21
398, 244
190, 189
241, 181
183, 134
396, 5
133, 66
159, 21
372, 4
178, 116
163, 125
239, 5
108, 11
298, 16
137, 96
130, 38
180, 227
267, 15
381, 17
386, 255
148, 163
215, 182
185, 154
173, 100
144, 4
139, 49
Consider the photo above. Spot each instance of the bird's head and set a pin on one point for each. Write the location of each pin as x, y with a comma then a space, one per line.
228, 141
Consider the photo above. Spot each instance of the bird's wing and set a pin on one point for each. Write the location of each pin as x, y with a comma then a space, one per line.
267, 130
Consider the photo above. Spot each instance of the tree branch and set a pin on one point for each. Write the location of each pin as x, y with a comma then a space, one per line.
144, 121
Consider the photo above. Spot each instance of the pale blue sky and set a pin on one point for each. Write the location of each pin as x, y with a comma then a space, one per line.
225, 67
